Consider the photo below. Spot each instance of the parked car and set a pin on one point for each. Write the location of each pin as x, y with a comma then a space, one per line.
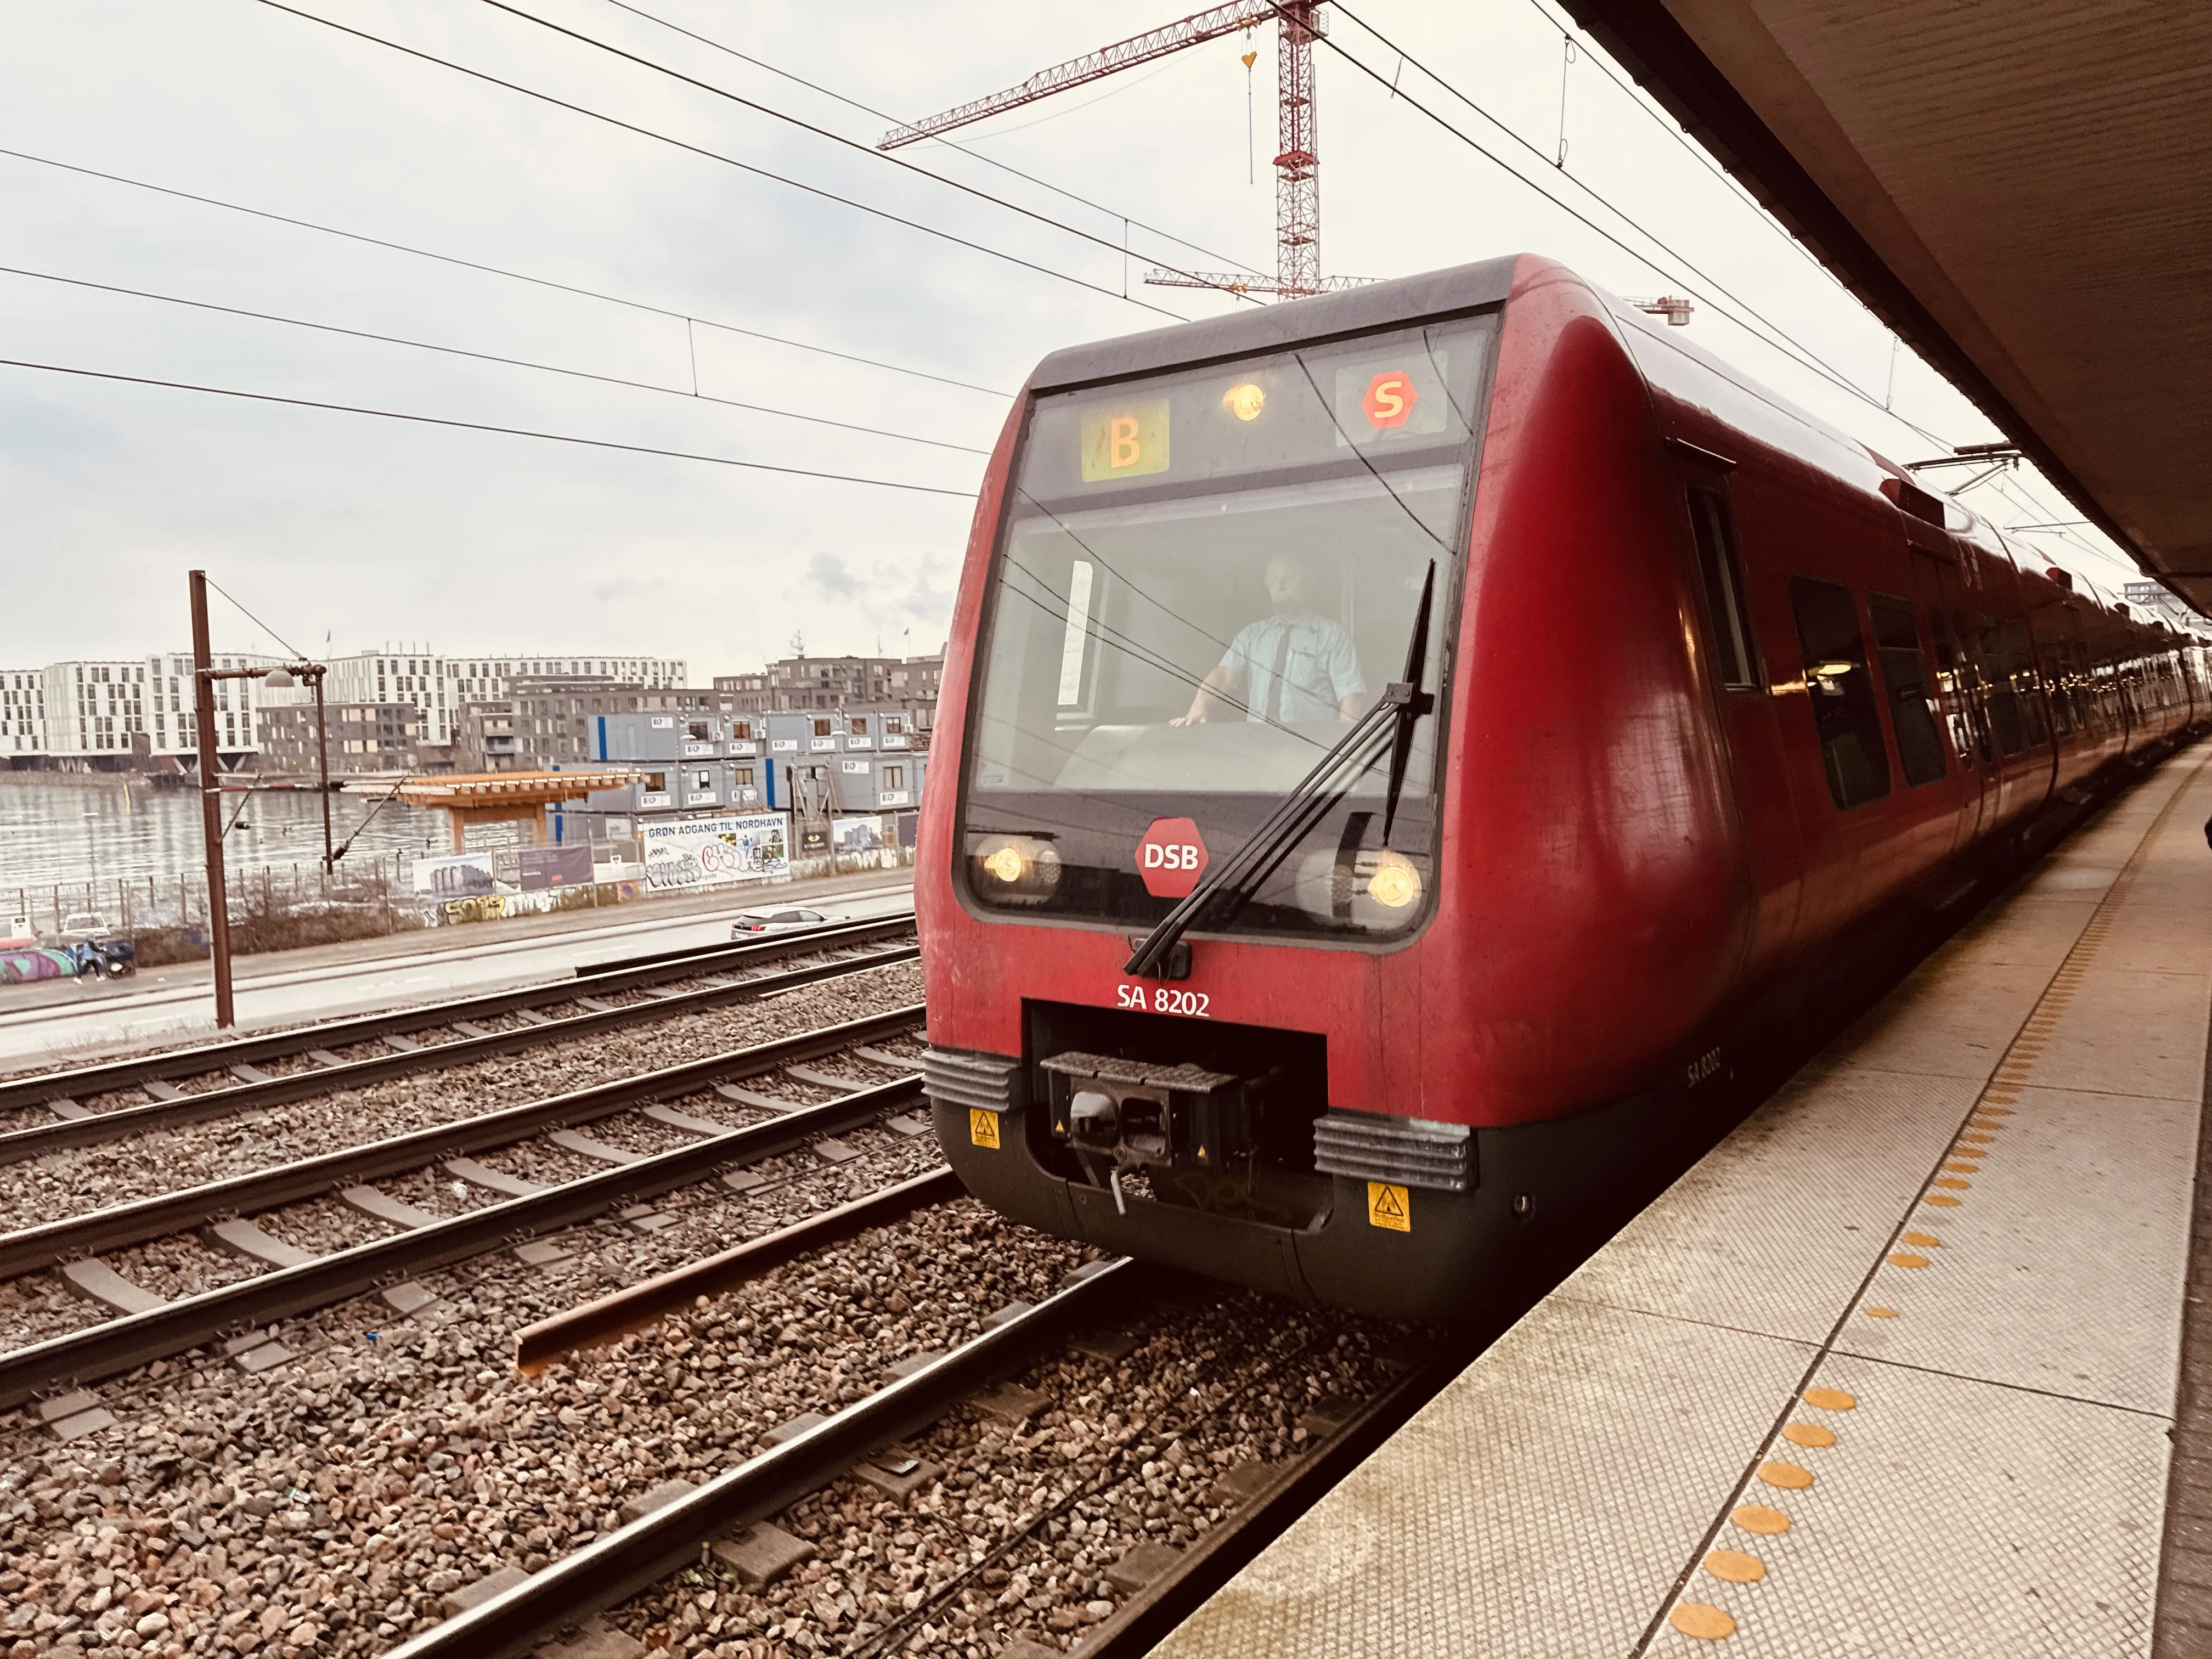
751, 924
81, 925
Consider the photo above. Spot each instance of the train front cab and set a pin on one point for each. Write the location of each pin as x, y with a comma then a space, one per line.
1382, 1079
1717, 687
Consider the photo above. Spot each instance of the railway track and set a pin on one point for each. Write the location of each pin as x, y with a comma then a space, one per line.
1204, 1376
231, 1081
151, 1328
672, 1541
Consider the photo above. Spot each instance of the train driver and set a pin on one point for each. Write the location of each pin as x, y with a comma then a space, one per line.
1290, 667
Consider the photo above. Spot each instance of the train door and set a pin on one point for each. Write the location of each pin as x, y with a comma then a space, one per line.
1965, 721
1774, 857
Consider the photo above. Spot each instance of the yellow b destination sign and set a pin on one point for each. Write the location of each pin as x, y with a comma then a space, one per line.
1125, 440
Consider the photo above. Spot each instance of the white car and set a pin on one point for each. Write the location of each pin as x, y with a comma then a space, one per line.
752, 924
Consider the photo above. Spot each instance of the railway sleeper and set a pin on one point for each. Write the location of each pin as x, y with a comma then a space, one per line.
104, 1076
168, 1105
166, 1329
47, 1243
731, 1507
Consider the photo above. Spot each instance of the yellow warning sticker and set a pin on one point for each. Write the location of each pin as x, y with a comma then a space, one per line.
983, 1128
1387, 1207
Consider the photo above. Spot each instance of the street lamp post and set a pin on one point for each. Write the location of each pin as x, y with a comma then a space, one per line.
204, 675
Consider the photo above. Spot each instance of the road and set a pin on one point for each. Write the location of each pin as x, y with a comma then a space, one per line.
163, 1007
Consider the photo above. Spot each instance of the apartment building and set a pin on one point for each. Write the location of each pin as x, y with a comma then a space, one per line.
375, 737
809, 682
541, 723
23, 712
122, 713
441, 688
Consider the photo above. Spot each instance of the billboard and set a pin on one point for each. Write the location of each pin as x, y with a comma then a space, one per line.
466, 875
854, 832
717, 851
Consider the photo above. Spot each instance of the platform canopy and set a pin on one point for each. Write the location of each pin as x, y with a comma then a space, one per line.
2023, 190
508, 788
468, 798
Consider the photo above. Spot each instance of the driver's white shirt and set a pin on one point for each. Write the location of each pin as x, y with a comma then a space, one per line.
1320, 670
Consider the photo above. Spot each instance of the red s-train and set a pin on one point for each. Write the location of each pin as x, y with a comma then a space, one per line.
1397, 746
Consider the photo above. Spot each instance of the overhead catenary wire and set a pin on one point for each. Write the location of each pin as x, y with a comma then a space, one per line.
700, 150
693, 396
1666, 123
819, 131
500, 270
1803, 355
480, 426
762, 63
1772, 334
1760, 327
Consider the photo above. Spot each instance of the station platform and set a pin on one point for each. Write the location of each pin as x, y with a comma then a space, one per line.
1894, 1370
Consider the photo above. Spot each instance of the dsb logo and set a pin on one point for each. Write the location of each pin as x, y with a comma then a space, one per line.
1170, 858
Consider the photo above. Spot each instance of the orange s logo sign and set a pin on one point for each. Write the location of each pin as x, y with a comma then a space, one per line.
1390, 399
1122, 447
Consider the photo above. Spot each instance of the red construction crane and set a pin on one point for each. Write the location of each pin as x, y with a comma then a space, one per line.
1297, 162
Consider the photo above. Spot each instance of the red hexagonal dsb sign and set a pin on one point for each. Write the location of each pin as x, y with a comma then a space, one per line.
1171, 857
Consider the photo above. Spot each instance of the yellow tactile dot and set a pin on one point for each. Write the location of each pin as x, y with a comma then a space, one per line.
1735, 1567
1830, 1400
1925, 1241
1950, 1184
1791, 1477
1994, 1111
1757, 1517
1979, 1134
1809, 1434
1963, 1168
1881, 1313
1943, 1199
1707, 1623
1906, 1259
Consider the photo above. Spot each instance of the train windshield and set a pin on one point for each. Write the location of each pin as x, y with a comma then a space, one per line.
1203, 580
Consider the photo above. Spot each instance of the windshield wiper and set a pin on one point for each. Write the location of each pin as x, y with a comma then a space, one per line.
1228, 886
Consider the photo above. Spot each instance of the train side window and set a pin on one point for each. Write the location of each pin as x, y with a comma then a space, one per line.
2003, 697
2058, 685
1912, 700
1734, 653
1845, 710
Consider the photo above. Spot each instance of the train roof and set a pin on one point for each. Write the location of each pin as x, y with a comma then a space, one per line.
1673, 365
1254, 329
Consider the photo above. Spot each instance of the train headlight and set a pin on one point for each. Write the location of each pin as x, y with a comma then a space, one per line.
1244, 401
1022, 868
1395, 883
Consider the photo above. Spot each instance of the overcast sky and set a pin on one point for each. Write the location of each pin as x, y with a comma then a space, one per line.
363, 531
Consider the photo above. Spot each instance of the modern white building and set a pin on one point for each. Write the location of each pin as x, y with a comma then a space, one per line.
438, 685
476, 678
100, 713
22, 711
108, 713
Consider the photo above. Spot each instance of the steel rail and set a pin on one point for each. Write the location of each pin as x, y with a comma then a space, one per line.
68, 1238
767, 948
1142, 1621
17, 1144
636, 1306
176, 1327
104, 1076
603, 1574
